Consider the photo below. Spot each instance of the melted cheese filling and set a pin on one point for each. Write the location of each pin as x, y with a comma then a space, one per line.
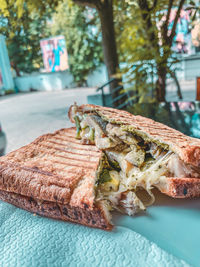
119, 187
121, 191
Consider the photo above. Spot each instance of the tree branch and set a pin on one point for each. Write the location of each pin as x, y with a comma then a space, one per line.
174, 77
143, 5
173, 32
154, 5
146, 17
169, 11
164, 27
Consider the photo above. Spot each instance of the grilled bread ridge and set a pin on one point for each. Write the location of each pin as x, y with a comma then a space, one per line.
54, 176
187, 148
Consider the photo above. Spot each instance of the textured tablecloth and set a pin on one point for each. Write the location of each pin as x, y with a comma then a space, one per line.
30, 240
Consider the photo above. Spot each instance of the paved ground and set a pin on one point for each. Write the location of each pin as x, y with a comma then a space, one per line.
24, 117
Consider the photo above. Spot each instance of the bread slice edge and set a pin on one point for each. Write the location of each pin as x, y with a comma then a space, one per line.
96, 218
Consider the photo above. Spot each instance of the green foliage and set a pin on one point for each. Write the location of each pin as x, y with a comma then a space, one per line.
23, 31
25, 23
21, 6
80, 26
144, 45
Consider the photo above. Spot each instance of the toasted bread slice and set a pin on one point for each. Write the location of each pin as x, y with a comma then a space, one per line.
187, 148
131, 140
55, 176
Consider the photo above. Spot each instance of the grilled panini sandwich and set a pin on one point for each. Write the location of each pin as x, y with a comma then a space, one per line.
55, 176
143, 153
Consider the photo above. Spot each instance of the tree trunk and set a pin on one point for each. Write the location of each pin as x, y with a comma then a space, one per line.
17, 71
14, 66
179, 94
105, 11
108, 37
161, 84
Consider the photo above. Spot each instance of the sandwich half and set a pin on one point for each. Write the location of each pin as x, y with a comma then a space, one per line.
56, 176
143, 154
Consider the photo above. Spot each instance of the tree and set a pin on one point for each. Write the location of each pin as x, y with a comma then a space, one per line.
23, 33
145, 43
80, 26
163, 52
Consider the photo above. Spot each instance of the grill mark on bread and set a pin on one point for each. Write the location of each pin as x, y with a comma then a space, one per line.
77, 164
78, 157
67, 131
54, 159
77, 146
55, 168
64, 137
44, 153
165, 135
42, 170
92, 153
26, 182
38, 170
59, 178
45, 179
29, 179
155, 128
73, 141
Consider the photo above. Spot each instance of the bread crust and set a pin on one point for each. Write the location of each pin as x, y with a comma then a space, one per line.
186, 147
181, 187
92, 218
58, 171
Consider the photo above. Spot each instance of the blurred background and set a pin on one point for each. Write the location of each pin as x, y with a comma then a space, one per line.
139, 55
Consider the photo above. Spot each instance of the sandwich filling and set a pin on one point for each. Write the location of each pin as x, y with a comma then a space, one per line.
131, 166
